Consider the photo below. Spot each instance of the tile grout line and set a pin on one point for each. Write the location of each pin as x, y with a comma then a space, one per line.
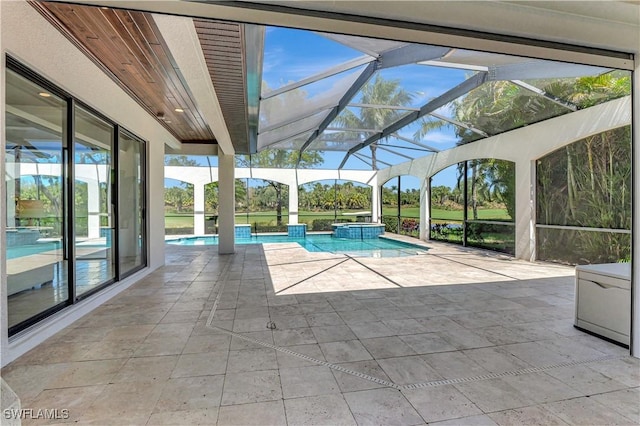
311, 276
443, 256
386, 383
521, 372
311, 359
374, 271
421, 385
219, 288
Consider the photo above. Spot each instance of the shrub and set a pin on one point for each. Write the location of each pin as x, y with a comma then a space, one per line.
390, 224
322, 224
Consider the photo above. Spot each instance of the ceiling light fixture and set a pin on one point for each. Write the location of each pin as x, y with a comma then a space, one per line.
178, 110
45, 94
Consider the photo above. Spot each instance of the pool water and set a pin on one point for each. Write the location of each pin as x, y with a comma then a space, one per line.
376, 247
26, 250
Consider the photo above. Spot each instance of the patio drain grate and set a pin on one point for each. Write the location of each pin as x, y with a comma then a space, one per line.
506, 373
219, 288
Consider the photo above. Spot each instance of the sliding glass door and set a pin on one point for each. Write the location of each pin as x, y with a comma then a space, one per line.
37, 258
93, 207
131, 215
75, 199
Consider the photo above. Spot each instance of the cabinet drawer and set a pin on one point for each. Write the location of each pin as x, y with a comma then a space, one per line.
608, 307
605, 280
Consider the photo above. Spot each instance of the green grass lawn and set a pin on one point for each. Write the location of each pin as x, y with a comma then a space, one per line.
178, 221
185, 220
483, 214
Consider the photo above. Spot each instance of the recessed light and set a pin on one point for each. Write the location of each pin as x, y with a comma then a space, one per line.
178, 110
45, 94
167, 121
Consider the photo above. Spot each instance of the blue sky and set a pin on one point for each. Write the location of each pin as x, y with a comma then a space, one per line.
291, 55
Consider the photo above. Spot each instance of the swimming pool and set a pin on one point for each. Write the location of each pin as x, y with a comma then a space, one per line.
29, 249
376, 247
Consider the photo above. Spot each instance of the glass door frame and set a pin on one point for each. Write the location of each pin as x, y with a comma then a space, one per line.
68, 200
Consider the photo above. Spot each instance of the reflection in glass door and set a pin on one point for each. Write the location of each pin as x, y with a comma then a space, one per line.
131, 214
93, 206
35, 149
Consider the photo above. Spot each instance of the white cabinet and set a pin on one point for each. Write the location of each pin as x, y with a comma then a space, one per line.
603, 300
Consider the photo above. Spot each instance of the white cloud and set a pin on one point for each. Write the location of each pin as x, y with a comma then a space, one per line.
441, 138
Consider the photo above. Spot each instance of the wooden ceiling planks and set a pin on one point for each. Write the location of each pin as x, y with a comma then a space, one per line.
223, 48
128, 46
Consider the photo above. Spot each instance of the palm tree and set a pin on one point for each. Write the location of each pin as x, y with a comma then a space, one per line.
377, 92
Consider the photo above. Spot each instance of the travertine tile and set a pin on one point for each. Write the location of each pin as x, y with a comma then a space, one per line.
585, 380
427, 343
154, 336
132, 400
625, 402
347, 351
87, 373
257, 414
541, 388
207, 343
250, 387
479, 420
534, 415
251, 360
496, 360
297, 336
349, 382
494, 395
201, 364
440, 403
324, 319
199, 417
332, 333
368, 330
387, 347
161, 346
75, 400
318, 410
585, 411
286, 360
452, 365
307, 381
408, 370
625, 370
156, 369
382, 407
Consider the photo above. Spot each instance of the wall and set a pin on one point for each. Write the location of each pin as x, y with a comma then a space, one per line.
28, 37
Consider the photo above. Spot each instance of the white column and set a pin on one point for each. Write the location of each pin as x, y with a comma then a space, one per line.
424, 209
293, 204
525, 210
635, 273
375, 200
93, 208
226, 203
198, 208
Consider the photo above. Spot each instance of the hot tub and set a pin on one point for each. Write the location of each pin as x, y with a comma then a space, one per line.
357, 230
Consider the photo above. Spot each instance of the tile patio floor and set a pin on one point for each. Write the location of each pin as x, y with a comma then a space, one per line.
276, 335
